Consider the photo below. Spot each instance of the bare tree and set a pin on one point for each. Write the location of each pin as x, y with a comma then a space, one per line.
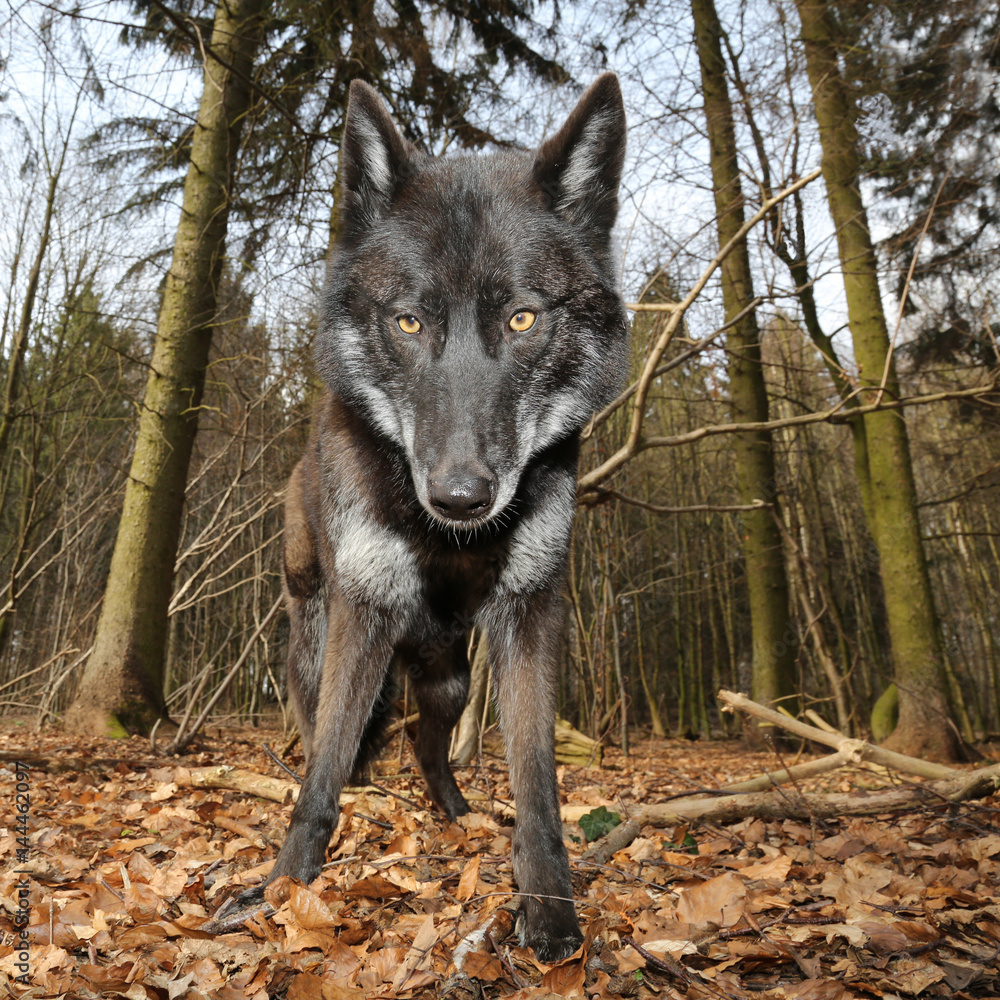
774, 677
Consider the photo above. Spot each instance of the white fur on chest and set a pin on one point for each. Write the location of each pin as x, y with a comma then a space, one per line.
538, 548
374, 564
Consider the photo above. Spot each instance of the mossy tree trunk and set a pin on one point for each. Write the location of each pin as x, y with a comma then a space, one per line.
122, 686
924, 728
774, 642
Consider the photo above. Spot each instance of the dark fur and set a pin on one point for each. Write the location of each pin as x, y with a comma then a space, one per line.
438, 487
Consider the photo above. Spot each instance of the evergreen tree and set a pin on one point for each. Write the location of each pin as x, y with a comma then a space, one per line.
928, 77
440, 64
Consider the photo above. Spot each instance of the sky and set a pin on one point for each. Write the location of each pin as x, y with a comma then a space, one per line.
666, 219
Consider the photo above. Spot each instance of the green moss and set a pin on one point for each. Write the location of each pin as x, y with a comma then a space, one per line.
885, 714
114, 729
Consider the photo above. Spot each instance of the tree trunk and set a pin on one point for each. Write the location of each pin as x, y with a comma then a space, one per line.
924, 728
774, 643
122, 686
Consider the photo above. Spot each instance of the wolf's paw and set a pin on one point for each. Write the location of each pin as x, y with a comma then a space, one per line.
552, 932
554, 949
462, 808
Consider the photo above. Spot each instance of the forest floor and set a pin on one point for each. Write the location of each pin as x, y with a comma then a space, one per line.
126, 862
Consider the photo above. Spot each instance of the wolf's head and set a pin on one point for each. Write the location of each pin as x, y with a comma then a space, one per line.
471, 310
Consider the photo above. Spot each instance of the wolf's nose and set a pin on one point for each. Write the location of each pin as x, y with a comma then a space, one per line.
461, 495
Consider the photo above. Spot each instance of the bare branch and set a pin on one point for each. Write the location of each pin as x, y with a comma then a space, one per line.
588, 492
645, 381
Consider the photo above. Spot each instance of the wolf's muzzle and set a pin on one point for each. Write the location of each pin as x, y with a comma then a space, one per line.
463, 494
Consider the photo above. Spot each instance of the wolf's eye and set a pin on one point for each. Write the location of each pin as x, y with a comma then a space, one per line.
522, 321
408, 324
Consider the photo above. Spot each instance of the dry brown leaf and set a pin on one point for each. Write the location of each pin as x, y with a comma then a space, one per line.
363, 924
426, 937
883, 937
566, 978
642, 849
380, 966
714, 971
913, 975
404, 845
374, 887
432, 890
321, 940
480, 966
719, 901
917, 932
777, 869
142, 903
815, 989
680, 943
469, 880
305, 986
108, 978
959, 974
984, 847
337, 991
534, 994
142, 937
308, 909
859, 882
675, 858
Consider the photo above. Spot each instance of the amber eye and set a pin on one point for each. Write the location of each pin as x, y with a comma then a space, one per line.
522, 320
408, 324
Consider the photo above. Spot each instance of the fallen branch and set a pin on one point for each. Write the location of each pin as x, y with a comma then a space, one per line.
576, 748
761, 798
777, 804
239, 779
758, 798
800, 772
860, 750
619, 838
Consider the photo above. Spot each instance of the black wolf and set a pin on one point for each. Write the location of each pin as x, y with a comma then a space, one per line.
471, 325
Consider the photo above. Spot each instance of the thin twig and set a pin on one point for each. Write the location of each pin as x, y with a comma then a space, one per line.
601, 494
181, 740
284, 767
906, 286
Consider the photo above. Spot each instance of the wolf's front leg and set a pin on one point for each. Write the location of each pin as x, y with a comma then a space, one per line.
524, 647
356, 662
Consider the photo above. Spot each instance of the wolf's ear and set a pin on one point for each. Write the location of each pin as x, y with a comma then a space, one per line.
375, 158
580, 166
